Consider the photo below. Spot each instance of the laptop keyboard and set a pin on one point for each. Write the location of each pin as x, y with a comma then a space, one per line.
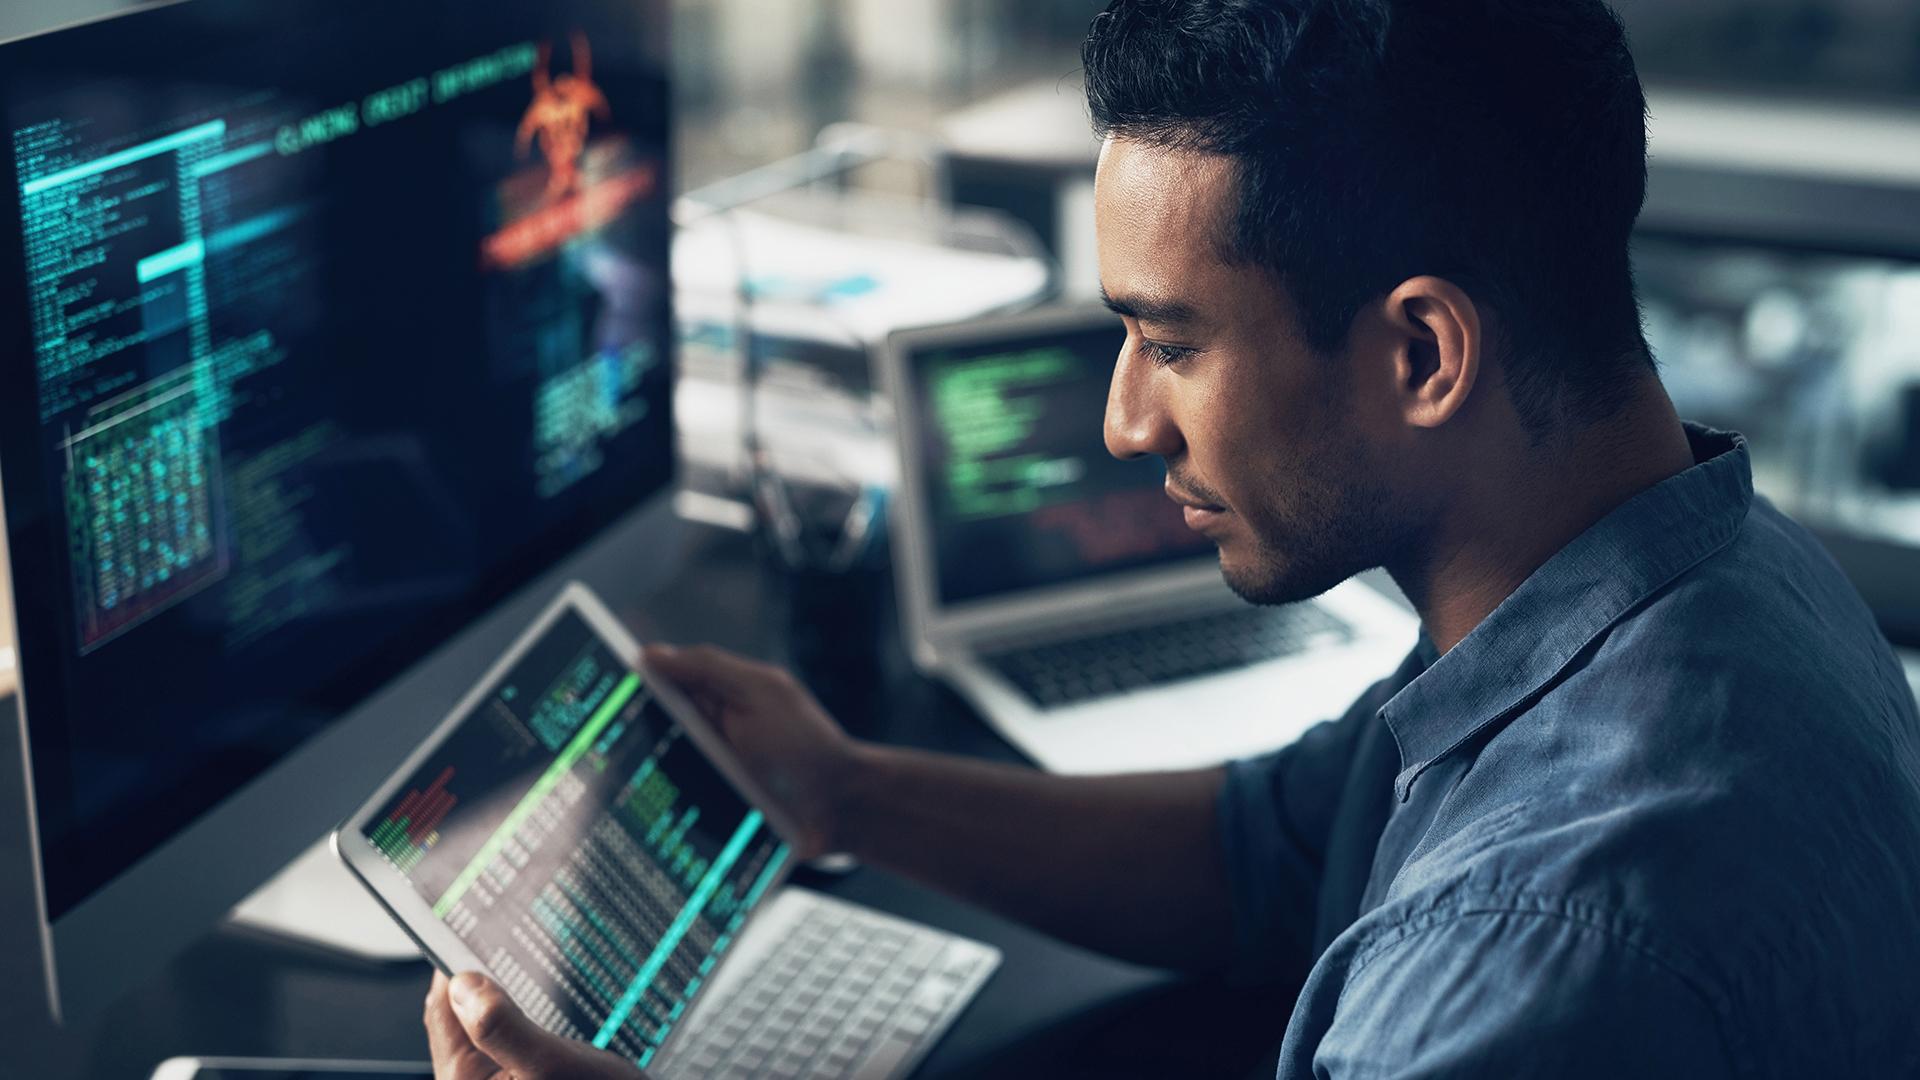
1065, 673
844, 992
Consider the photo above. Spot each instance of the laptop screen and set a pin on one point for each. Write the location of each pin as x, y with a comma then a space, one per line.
1020, 490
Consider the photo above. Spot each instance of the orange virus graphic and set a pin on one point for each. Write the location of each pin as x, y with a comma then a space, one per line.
558, 118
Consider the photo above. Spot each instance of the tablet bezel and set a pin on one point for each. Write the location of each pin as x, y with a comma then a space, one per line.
413, 912
192, 1068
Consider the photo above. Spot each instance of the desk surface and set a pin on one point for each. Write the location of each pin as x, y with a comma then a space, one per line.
1051, 1009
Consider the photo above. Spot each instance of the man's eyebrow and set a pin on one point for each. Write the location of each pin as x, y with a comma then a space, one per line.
1162, 312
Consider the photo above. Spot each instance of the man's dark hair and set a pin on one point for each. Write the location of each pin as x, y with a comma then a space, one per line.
1498, 143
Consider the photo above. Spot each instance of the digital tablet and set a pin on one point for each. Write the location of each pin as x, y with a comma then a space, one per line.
577, 831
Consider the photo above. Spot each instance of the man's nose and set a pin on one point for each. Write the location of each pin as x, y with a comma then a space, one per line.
1137, 420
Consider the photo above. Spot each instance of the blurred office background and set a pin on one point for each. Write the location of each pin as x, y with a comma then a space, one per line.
1794, 316
757, 81
1780, 264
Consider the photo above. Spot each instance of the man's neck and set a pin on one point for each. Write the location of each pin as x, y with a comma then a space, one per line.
1525, 504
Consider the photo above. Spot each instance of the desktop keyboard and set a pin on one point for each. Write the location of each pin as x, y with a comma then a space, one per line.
1064, 673
823, 988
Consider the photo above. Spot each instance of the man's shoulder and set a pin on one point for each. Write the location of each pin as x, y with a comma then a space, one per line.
1761, 653
1704, 803
1730, 746
1752, 695
1716, 801
1772, 599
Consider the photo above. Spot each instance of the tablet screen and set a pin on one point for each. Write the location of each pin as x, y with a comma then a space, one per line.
581, 845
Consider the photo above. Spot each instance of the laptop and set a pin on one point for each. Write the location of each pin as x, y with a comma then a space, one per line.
1059, 590
576, 831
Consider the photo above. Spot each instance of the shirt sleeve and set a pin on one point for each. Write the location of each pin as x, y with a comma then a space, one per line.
1275, 814
1518, 993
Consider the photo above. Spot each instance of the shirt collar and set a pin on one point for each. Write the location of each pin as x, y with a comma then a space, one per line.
1564, 605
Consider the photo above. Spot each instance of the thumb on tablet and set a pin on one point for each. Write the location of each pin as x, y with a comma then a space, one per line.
521, 1047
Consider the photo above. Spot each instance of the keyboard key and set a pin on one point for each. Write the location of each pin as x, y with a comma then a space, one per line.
886, 1059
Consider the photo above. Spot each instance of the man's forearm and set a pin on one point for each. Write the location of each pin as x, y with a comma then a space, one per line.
1128, 865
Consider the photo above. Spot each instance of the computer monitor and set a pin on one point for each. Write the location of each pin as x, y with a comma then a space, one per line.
336, 330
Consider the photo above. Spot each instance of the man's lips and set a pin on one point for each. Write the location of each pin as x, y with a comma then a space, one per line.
1198, 518
1192, 503
1199, 514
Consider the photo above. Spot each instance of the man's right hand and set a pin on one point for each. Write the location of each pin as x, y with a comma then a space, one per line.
793, 749
1126, 864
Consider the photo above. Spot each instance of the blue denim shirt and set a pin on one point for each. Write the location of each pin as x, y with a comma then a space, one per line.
1657, 815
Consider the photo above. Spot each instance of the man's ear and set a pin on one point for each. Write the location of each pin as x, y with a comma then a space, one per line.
1437, 345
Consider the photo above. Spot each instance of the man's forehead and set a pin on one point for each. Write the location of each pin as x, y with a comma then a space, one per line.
1178, 186
1159, 213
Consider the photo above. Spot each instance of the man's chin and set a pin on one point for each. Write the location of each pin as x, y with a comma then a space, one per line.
1272, 583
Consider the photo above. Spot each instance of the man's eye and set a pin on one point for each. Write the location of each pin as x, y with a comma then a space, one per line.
1165, 355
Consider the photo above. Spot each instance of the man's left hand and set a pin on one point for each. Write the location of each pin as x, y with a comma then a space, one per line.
477, 1033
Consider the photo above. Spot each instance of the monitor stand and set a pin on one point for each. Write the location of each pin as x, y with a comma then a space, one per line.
316, 901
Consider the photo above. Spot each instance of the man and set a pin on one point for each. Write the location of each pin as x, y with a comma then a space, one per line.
1645, 799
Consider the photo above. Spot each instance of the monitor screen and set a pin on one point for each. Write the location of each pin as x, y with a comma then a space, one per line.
581, 845
1814, 356
1020, 490
329, 323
